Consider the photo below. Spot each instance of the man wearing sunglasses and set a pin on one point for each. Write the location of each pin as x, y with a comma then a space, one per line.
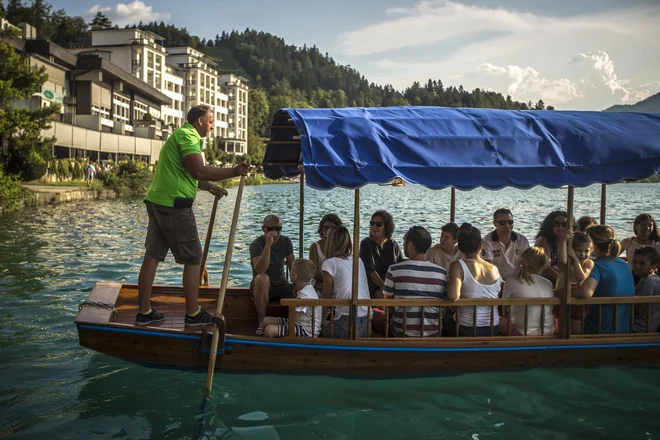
503, 247
268, 253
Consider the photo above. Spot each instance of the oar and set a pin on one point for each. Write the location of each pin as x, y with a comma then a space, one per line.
223, 286
204, 277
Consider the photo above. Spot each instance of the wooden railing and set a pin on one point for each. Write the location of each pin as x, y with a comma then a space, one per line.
443, 305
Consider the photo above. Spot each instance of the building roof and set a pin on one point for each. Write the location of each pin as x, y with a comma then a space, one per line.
114, 72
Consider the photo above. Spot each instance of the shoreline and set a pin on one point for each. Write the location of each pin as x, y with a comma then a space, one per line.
45, 194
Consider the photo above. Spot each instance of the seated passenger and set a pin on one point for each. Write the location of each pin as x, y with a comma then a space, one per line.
379, 250
580, 259
646, 234
446, 252
553, 228
316, 254
474, 278
338, 283
528, 283
645, 264
610, 276
308, 324
503, 247
268, 254
414, 278
584, 222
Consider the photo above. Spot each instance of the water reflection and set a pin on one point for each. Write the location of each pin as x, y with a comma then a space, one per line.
50, 258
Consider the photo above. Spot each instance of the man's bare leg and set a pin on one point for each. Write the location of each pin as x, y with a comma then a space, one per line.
145, 282
191, 287
260, 290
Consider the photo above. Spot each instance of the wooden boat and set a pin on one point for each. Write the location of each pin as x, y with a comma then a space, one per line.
106, 320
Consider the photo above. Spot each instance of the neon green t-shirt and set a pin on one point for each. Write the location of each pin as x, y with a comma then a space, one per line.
172, 179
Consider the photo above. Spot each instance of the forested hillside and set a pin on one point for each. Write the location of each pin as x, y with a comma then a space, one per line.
281, 75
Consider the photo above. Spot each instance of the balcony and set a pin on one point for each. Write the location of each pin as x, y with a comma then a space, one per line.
92, 140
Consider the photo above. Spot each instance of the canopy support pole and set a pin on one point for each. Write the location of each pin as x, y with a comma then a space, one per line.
565, 316
603, 203
356, 267
301, 223
452, 206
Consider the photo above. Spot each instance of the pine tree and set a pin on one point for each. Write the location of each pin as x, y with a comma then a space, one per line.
100, 22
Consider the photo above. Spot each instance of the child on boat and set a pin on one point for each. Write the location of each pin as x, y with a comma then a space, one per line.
528, 283
645, 264
580, 259
646, 234
308, 319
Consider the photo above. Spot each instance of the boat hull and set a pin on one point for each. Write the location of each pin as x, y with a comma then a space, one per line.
113, 333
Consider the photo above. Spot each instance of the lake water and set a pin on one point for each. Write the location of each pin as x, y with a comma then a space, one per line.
50, 387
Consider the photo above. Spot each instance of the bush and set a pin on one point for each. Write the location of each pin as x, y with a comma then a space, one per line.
255, 179
127, 178
12, 194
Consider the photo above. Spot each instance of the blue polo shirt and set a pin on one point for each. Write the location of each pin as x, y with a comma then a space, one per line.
614, 279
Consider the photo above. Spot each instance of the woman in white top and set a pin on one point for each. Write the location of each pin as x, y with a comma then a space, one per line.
338, 283
316, 254
528, 283
472, 277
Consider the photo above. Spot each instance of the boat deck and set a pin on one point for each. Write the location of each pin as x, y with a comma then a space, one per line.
239, 310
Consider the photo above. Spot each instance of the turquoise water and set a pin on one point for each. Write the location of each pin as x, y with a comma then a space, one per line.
50, 387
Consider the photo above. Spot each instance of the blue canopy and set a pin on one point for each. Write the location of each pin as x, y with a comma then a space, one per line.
464, 147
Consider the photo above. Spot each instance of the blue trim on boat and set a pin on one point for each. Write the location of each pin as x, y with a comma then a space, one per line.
140, 332
230, 341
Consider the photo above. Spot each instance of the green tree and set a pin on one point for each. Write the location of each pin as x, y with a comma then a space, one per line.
26, 153
258, 111
67, 30
100, 22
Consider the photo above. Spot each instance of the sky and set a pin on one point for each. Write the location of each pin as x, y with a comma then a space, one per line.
573, 54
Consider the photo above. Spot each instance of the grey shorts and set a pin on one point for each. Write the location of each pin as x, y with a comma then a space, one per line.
172, 230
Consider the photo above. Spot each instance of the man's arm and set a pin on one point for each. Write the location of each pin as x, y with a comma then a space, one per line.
212, 188
262, 262
455, 281
195, 166
289, 261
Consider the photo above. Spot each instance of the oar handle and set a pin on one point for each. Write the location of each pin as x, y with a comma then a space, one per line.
204, 279
223, 285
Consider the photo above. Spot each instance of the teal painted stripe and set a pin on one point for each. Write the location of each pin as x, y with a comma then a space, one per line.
231, 341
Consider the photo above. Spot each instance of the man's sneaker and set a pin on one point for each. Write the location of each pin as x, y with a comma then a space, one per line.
149, 318
201, 318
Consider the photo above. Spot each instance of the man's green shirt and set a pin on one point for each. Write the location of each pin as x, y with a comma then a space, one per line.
172, 179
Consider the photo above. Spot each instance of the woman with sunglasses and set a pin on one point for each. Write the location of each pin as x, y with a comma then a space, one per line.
379, 251
316, 254
554, 229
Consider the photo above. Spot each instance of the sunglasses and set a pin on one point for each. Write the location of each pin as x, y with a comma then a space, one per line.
274, 228
505, 222
561, 224
379, 224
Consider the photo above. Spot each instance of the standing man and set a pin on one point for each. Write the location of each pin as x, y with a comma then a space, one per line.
268, 253
172, 227
503, 247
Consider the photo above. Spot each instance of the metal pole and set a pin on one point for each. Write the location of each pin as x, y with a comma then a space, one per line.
565, 331
356, 265
301, 223
603, 203
452, 209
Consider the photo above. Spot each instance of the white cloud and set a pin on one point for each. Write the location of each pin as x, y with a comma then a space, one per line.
128, 13
567, 60
526, 83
